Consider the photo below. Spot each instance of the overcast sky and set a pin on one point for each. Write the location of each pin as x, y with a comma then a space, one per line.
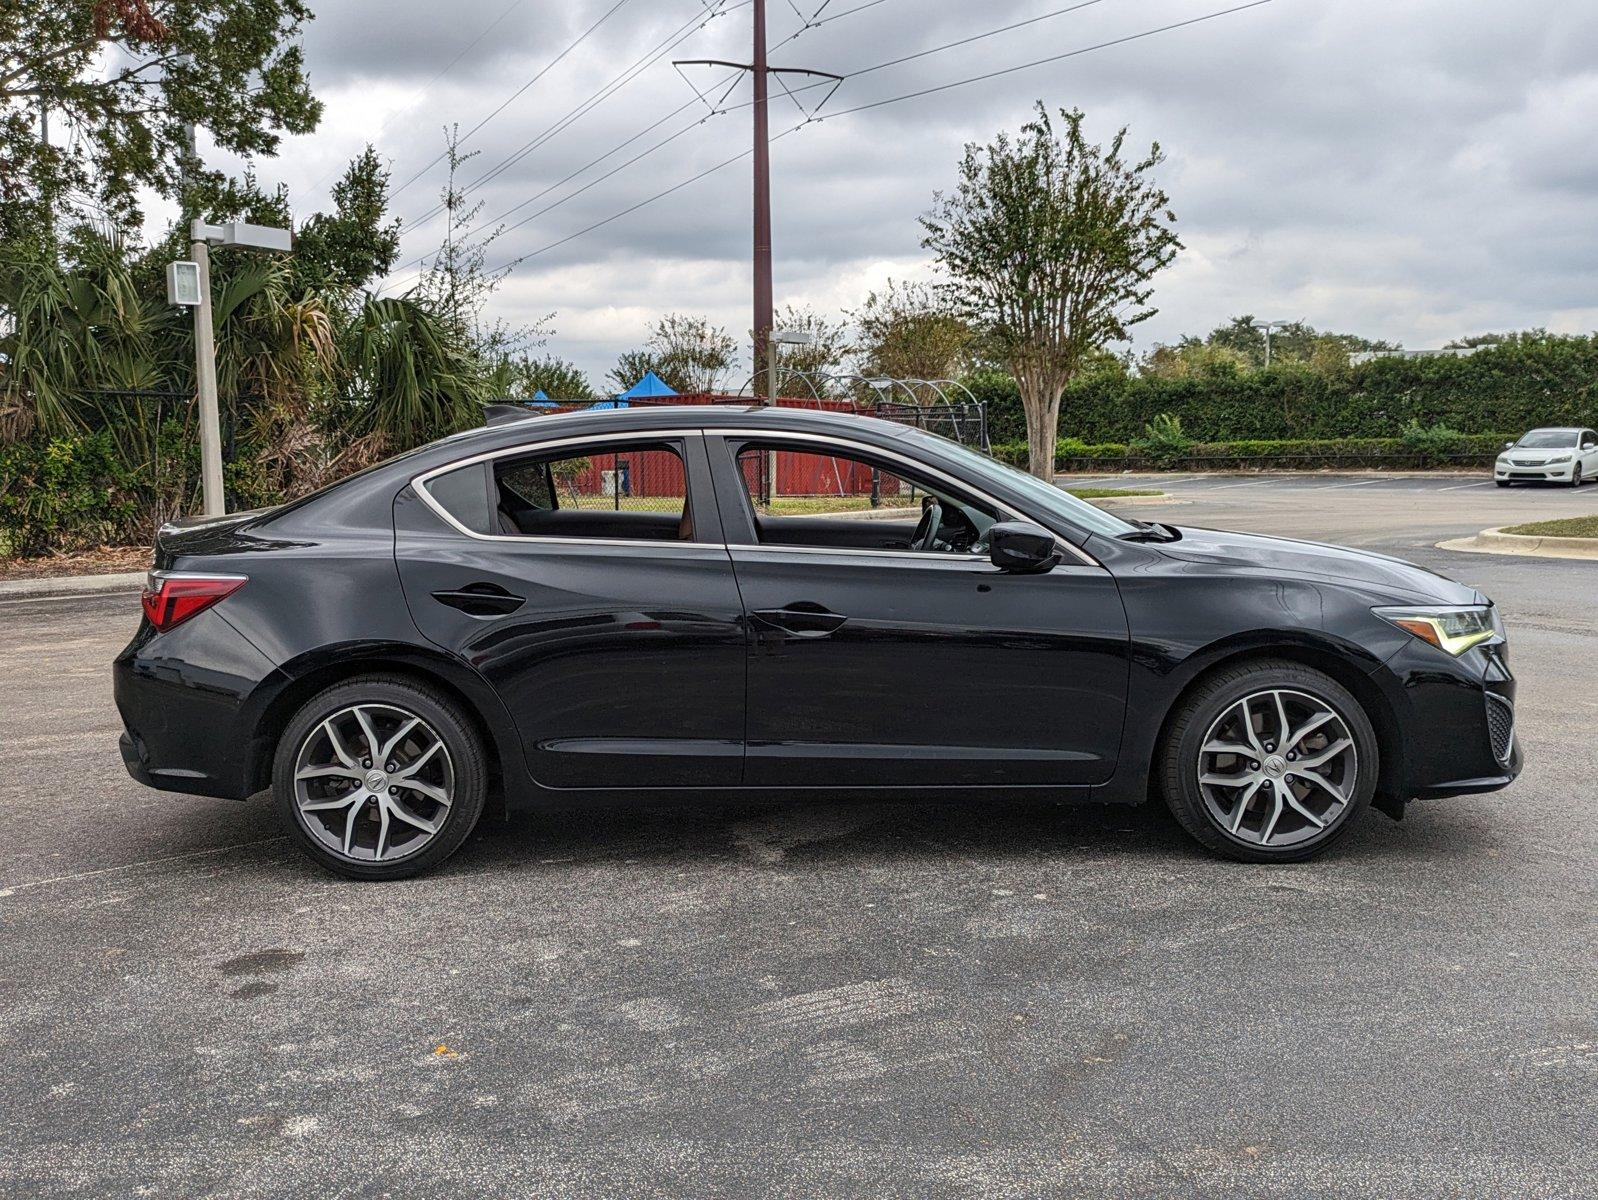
1407, 170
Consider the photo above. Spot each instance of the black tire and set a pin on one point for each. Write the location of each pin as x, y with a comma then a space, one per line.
1501, 482
1575, 476
464, 759
1177, 760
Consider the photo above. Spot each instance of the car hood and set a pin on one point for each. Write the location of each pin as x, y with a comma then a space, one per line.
1403, 582
1538, 456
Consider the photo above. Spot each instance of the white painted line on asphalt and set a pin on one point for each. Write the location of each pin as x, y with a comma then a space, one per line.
14, 888
1334, 486
1459, 487
1252, 483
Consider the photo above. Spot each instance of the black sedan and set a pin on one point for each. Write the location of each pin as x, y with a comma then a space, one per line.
633, 602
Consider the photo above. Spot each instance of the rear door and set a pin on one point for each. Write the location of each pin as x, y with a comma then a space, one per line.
588, 581
890, 667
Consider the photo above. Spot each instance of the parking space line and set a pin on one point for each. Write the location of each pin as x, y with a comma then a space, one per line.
1251, 483
1459, 487
1360, 483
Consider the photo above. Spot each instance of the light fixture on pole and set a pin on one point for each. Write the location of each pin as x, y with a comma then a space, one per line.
779, 337
782, 337
189, 284
1267, 326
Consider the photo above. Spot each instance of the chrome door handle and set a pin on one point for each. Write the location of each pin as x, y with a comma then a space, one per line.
802, 619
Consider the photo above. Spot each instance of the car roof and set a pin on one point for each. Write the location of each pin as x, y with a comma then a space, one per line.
644, 417
1557, 429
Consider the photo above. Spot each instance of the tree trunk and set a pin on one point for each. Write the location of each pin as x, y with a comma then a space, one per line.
1041, 402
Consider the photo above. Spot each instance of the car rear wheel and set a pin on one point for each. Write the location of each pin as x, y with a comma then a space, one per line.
1268, 762
379, 778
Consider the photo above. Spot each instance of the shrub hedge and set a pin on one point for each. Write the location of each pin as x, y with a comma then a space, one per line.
1542, 381
1277, 454
75, 493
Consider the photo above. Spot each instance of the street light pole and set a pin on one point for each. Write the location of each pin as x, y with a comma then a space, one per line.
202, 236
1267, 326
213, 499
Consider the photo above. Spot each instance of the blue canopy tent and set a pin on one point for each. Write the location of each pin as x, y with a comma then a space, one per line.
540, 400
651, 385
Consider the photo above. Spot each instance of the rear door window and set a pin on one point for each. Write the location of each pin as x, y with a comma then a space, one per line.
607, 491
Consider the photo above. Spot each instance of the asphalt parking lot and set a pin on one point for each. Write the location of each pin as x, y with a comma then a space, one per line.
819, 1000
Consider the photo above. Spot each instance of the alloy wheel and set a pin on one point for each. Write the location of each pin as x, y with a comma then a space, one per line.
1278, 768
373, 783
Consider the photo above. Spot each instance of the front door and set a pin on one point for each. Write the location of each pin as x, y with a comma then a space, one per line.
575, 579
877, 658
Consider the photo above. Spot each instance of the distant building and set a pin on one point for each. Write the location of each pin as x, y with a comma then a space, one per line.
1365, 356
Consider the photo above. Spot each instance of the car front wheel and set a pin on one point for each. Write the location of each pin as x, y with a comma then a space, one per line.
379, 778
1268, 762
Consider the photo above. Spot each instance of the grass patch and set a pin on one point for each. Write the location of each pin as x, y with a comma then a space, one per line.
1568, 527
1103, 493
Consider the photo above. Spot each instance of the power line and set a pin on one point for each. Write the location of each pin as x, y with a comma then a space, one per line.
666, 141
427, 87
549, 66
617, 82
1121, 41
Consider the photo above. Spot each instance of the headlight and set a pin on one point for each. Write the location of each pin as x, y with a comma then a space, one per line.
1563, 458
1451, 630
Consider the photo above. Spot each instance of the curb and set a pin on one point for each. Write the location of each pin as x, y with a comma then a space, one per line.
1126, 501
1249, 472
1496, 541
72, 585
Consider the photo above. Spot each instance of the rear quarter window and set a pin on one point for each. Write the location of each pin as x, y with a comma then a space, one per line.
465, 493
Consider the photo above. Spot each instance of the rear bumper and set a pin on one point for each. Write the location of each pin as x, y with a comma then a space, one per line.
180, 695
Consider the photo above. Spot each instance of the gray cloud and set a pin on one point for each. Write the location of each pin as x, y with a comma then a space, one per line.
1412, 171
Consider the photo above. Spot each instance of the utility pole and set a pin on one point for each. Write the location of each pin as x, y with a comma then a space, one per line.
763, 302
762, 70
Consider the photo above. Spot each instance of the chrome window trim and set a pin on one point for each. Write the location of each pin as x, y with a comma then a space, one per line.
419, 482
770, 435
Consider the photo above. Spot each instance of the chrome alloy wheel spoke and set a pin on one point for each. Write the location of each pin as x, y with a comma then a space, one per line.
1283, 781
373, 783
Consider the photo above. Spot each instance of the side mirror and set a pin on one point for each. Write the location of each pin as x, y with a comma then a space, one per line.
1022, 548
1509, 445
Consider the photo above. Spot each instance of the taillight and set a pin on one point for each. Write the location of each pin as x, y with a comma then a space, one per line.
172, 599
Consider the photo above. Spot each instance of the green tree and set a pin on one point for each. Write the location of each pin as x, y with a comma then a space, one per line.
522, 376
633, 365
688, 353
907, 331
1240, 345
1049, 242
353, 245
807, 370
127, 77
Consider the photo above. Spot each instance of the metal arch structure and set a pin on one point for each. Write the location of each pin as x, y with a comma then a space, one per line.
927, 403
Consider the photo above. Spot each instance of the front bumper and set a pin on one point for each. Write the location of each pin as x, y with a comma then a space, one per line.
1561, 473
1455, 722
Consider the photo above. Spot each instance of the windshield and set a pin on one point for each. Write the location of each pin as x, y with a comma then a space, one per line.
1044, 498
1547, 439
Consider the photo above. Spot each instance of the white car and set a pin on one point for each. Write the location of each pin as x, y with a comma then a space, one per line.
1563, 455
